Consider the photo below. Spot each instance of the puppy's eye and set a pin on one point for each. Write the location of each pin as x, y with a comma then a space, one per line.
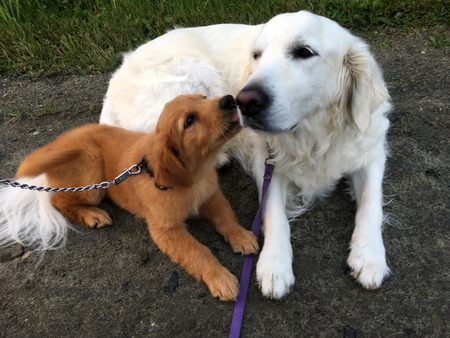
256, 54
190, 119
302, 52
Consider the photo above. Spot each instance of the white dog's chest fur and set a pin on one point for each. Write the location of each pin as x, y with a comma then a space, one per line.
314, 158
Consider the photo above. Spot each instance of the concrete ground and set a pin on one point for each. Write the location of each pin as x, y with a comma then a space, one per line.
114, 282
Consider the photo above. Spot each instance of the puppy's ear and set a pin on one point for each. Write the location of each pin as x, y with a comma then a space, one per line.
362, 83
168, 168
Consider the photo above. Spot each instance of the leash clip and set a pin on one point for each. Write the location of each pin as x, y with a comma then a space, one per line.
269, 163
133, 170
269, 159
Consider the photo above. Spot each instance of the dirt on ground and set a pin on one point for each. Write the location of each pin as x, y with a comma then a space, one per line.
114, 282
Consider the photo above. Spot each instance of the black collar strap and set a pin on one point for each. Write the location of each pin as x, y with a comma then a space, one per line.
149, 172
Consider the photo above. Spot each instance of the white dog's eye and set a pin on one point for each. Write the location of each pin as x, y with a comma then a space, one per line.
256, 54
190, 119
302, 52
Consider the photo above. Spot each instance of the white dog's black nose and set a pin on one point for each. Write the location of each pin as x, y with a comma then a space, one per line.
227, 103
252, 100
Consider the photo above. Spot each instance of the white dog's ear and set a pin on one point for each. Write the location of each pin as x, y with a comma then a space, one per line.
363, 86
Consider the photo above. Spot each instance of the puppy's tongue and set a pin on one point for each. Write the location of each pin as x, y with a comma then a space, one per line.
235, 117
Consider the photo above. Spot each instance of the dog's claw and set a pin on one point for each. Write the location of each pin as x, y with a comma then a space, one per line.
369, 269
223, 285
275, 275
245, 242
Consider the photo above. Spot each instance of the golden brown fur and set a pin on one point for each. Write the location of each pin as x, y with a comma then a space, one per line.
183, 159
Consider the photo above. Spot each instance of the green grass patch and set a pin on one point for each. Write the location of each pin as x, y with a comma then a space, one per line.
85, 36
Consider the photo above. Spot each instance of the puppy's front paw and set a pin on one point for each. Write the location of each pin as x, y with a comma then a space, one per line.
244, 242
368, 264
274, 273
223, 284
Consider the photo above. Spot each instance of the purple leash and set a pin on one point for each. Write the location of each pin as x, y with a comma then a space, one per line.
239, 307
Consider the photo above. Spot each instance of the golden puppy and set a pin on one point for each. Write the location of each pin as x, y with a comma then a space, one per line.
178, 179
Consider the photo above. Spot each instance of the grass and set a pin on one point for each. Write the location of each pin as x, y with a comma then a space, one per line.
42, 36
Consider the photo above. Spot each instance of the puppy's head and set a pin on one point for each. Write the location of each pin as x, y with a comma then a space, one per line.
189, 134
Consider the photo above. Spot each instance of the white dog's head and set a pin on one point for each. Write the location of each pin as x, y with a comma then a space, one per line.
304, 63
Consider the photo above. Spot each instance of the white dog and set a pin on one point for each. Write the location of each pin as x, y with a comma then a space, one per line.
308, 90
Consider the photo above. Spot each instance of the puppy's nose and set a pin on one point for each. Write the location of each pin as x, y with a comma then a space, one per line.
252, 100
227, 103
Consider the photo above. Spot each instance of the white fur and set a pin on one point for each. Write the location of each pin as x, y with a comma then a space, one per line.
327, 120
28, 217
177, 63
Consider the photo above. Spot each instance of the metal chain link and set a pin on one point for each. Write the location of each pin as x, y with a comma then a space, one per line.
89, 187
103, 185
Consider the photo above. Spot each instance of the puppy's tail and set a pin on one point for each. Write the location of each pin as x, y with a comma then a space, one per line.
29, 218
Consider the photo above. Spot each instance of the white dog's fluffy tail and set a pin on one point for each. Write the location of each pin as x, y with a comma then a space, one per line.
28, 217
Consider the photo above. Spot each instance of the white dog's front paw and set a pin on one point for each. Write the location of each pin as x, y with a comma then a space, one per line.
368, 265
274, 274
